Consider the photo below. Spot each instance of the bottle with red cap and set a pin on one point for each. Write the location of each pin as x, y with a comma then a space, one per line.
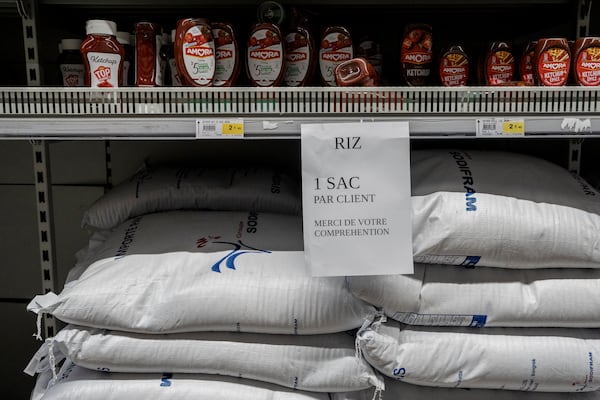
102, 54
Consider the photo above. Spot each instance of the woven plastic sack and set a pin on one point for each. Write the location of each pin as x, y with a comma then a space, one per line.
525, 359
443, 295
501, 209
162, 188
185, 271
395, 390
319, 363
76, 383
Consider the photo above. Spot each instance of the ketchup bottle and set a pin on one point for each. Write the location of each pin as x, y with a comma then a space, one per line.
552, 62
102, 54
336, 47
299, 58
147, 56
416, 54
526, 62
227, 54
454, 66
70, 63
586, 61
266, 55
498, 65
195, 52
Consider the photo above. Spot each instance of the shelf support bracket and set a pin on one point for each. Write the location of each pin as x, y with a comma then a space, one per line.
43, 193
27, 9
575, 155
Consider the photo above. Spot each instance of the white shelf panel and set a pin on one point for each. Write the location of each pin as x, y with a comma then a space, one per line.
38, 112
271, 127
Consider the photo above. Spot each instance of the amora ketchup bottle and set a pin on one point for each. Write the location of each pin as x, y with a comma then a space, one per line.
102, 54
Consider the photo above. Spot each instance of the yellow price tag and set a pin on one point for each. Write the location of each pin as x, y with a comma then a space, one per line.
513, 127
233, 129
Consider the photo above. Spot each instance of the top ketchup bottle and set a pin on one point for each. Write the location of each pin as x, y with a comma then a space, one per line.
102, 54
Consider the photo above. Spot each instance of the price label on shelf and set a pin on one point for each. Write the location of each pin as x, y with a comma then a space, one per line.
219, 128
500, 127
513, 127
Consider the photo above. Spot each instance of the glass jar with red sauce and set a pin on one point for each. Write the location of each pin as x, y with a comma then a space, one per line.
102, 54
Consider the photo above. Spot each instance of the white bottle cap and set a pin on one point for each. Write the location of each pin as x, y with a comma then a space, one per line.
123, 37
100, 27
70, 44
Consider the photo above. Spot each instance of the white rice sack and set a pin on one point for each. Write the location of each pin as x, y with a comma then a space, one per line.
501, 209
396, 390
443, 295
550, 360
319, 363
185, 271
168, 188
76, 383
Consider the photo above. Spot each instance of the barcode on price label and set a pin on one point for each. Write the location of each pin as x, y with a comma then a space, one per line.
500, 127
219, 128
487, 127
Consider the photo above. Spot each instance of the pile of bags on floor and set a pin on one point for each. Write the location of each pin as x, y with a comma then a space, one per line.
185, 293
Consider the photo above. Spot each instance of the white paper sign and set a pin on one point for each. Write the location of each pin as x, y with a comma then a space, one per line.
356, 198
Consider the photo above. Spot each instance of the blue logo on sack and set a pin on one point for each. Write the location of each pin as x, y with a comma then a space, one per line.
239, 248
478, 321
165, 381
470, 261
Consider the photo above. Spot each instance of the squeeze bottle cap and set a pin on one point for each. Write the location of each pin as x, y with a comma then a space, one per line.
100, 27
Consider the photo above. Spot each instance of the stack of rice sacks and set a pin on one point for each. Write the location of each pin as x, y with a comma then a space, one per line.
506, 289
193, 286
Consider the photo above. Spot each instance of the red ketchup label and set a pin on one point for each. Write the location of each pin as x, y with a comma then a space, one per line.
335, 49
265, 57
102, 66
297, 59
587, 66
199, 55
225, 56
553, 66
73, 74
454, 70
500, 67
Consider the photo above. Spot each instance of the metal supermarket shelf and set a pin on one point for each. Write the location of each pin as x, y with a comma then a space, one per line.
85, 113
